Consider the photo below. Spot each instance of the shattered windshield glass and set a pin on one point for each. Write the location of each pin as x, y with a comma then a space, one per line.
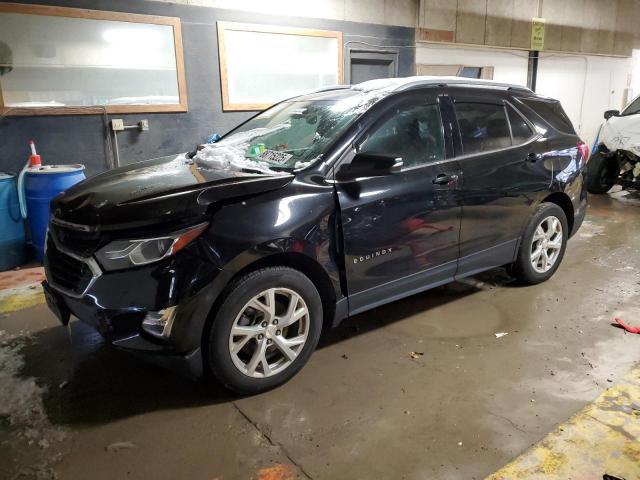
290, 135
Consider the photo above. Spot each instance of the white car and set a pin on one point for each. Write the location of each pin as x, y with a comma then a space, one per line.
616, 152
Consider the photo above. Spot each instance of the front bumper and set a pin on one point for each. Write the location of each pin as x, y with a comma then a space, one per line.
115, 303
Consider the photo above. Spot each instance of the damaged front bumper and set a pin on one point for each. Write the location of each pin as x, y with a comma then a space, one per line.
158, 311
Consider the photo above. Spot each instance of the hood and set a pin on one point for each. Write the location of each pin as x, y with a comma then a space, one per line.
622, 133
162, 190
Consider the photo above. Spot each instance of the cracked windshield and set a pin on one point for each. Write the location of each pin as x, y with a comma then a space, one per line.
291, 135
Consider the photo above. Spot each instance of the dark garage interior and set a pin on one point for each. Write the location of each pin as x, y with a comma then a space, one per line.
391, 239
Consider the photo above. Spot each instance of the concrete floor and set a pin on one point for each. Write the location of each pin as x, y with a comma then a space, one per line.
362, 408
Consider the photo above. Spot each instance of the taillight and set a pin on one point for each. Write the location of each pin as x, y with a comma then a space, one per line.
583, 150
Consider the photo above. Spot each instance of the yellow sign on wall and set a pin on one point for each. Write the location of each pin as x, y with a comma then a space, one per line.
537, 33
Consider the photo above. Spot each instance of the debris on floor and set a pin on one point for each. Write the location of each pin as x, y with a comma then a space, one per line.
277, 472
415, 355
23, 413
117, 446
620, 323
501, 334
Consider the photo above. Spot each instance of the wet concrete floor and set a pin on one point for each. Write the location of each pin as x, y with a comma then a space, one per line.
363, 407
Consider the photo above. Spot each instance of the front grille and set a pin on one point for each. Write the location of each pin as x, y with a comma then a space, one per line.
65, 271
80, 242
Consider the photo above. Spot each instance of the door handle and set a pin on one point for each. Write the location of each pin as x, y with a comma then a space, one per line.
533, 157
444, 179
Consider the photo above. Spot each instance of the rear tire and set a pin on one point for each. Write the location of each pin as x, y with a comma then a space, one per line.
265, 330
602, 173
543, 244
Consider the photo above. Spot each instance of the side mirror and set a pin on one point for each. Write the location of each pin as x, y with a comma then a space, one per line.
369, 165
611, 113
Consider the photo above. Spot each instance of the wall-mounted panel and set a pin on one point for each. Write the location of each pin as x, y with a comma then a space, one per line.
369, 64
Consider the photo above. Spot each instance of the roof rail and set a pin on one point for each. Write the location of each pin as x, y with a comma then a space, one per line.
406, 83
329, 88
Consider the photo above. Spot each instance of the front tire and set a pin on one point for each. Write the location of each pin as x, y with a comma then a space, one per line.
265, 330
543, 244
602, 173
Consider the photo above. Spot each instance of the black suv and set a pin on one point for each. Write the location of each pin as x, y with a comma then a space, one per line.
232, 259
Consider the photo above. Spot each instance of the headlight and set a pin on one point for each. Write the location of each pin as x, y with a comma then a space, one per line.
121, 254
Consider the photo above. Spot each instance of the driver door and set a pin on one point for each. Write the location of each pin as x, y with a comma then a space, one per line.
401, 230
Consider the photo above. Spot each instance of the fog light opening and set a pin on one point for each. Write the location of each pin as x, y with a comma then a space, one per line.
159, 323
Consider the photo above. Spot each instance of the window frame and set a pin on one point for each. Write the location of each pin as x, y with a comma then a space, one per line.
524, 101
532, 128
68, 12
222, 27
631, 104
497, 102
387, 114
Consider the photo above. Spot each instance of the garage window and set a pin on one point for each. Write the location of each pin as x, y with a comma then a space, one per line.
66, 60
283, 61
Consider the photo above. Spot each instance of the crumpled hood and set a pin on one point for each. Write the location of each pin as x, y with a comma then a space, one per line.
622, 133
162, 190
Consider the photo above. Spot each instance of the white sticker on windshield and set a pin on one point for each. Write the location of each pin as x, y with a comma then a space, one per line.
275, 157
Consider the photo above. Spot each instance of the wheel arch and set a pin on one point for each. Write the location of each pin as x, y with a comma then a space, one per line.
295, 260
564, 202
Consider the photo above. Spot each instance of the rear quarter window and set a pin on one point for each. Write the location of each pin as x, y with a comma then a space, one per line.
551, 112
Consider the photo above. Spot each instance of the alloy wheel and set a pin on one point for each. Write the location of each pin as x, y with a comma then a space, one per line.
269, 332
546, 244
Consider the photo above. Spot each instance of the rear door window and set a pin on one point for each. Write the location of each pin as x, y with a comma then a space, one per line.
520, 129
483, 127
552, 112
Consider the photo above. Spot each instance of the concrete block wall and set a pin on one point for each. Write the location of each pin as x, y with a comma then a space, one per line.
587, 26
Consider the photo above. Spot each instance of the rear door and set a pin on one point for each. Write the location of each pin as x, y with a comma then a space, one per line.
401, 230
503, 172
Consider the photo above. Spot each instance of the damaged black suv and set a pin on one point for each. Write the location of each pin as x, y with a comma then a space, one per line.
233, 258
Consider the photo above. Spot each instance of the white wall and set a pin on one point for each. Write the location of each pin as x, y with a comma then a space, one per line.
635, 75
587, 85
510, 66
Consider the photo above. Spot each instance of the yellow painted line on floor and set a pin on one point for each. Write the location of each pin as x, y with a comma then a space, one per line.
26, 296
603, 437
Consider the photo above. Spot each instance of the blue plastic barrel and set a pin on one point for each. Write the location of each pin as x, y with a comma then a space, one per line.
12, 243
40, 186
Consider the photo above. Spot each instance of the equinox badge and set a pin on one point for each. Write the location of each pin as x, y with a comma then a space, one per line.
369, 256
